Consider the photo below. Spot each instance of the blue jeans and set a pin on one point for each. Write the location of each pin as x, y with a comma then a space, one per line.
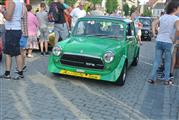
162, 48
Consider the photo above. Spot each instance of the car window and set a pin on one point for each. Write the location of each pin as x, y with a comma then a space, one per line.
129, 32
99, 28
145, 22
132, 29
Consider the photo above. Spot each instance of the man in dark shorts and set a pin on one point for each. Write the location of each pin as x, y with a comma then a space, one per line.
12, 38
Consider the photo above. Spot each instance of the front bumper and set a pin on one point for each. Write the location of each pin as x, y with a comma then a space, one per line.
146, 35
106, 75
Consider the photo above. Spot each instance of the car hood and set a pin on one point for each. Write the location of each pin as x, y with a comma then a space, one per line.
94, 46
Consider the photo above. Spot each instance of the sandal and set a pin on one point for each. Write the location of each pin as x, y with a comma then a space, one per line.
151, 81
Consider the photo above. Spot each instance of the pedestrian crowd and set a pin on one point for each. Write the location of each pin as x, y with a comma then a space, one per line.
26, 31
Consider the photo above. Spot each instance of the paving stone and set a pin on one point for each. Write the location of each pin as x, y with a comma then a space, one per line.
47, 97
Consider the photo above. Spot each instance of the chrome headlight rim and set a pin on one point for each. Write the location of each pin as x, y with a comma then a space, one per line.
111, 57
57, 50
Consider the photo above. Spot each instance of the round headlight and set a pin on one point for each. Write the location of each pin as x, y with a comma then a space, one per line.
57, 51
108, 57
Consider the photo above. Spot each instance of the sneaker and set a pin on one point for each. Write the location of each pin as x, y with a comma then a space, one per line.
169, 82
18, 77
24, 69
8, 77
46, 53
171, 76
42, 53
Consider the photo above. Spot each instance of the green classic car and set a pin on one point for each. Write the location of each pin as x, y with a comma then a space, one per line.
100, 48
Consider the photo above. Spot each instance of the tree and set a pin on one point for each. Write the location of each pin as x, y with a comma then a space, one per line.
49, 1
70, 2
126, 9
133, 8
147, 12
95, 1
2, 2
111, 5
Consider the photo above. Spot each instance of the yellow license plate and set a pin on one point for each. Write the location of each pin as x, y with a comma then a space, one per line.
78, 74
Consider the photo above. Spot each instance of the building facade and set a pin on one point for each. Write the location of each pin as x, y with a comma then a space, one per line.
157, 9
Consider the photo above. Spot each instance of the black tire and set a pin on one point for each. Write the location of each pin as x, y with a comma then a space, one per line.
136, 60
150, 39
122, 78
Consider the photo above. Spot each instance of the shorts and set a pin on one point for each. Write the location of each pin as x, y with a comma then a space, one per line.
12, 40
44, 34
139, 33
32, 42
23, 42
61, 30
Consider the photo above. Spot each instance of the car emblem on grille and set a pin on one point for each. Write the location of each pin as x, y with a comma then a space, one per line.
90, 64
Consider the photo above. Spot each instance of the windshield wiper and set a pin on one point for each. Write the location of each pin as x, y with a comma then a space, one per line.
108, 36
102, 35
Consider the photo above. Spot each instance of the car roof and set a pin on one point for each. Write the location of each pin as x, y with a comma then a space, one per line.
125, 20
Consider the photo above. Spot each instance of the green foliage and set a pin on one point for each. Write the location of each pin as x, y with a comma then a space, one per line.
2, 2
132, 9
70, 2
111, 6
95, 1
49, 1
126, 9
147, 12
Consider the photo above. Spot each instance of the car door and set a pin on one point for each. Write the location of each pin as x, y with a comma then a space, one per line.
130, 42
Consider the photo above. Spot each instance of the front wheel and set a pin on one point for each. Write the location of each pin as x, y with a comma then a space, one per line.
122, 78
149, 39
136, 60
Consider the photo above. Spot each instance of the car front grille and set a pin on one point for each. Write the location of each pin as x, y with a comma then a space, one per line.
82, 61
145, 32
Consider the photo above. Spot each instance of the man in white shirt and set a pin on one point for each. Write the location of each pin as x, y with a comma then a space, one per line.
78, 12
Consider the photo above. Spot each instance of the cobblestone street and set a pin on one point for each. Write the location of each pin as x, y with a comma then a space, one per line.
44, 96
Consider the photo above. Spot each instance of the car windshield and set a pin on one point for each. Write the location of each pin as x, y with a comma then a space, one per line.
145, 22
99, 28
